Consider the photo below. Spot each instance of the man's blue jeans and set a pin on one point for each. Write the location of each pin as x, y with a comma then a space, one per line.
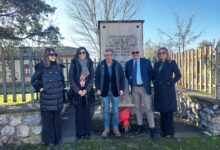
106, 107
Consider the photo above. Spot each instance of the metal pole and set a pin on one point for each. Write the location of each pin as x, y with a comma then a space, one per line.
216, 73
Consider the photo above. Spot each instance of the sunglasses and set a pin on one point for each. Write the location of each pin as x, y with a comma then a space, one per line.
162, 53
137, 52
53, 54
82, 53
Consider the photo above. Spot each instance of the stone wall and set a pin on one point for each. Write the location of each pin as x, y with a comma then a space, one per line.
199, 109
20, 123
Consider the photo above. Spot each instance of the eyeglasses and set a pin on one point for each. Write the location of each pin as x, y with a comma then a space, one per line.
162, 53
137, 52
82, 53
53, 54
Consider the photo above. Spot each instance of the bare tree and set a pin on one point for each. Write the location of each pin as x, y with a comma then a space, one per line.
182, 36
151, 48
85, 15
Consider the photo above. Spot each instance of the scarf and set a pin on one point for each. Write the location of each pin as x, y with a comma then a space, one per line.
161, 66
85, 70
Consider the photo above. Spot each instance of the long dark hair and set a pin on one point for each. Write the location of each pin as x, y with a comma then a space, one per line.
45, 60
76, 57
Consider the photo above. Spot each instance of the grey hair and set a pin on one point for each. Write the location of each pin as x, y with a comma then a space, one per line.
135, 48
109, 50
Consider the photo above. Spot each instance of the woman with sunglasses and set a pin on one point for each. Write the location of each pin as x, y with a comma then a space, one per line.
166, 74
81, 75
48, 79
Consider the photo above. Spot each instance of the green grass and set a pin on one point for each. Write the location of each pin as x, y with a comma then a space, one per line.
133, 143
18, 89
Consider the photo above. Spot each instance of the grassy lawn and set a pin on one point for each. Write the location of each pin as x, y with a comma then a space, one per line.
133, 143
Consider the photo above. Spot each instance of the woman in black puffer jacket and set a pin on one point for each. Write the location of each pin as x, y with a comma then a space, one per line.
48, 79
81, 75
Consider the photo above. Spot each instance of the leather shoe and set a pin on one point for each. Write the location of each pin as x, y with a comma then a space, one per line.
166, 135
58, 142
138, 130
79, 137
50, 144
169, 136
87, 137
153, 133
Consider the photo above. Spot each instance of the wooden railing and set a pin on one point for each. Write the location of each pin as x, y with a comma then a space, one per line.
16, 69
199, 68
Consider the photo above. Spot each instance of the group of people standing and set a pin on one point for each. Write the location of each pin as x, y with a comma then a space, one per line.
48, 79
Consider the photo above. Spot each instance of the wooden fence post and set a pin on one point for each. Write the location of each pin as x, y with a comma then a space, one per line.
192, 69
200, 69
196, 70
4, 82
12, 62
188, 69
205, 68
30, 58
184, 70
22, 75
216, 73
210, 69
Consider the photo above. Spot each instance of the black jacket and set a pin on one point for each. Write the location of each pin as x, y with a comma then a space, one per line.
164, 86
74, 77
146, 73
118, 74
52, 81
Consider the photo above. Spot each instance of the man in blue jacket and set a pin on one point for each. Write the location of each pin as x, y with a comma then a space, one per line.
110, 84
139, 74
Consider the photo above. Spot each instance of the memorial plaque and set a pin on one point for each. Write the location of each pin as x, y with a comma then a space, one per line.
121, 36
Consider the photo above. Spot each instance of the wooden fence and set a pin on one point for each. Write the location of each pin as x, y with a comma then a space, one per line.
199, 69
16, 69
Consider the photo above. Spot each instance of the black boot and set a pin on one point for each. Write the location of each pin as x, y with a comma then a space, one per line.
138, 129
153, 133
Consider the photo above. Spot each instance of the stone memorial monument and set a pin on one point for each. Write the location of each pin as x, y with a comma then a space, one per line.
121, 36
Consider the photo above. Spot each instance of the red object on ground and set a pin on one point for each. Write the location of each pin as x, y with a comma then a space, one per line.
124, 116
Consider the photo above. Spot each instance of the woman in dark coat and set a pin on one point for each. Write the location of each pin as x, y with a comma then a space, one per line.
165, 94
81, 76
48, 79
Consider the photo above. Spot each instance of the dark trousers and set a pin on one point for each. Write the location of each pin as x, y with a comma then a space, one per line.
51, 130
83, 118
167, 123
